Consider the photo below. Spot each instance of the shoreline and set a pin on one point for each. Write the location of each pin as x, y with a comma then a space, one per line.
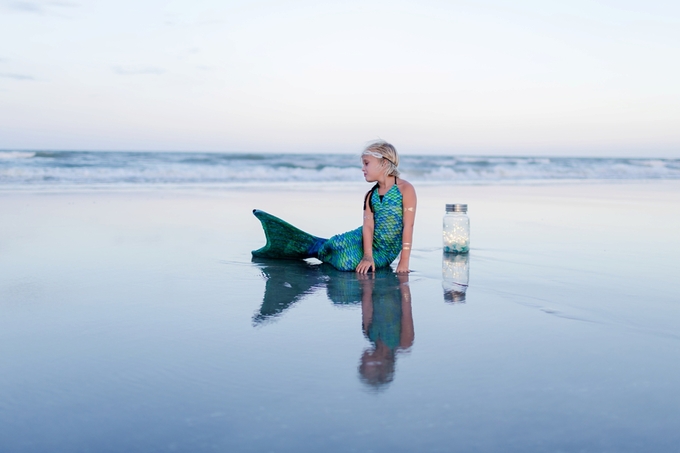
317, 185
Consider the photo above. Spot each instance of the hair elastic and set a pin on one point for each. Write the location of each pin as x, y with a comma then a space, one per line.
376, 155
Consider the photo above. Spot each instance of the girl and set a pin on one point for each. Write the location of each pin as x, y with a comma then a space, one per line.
389, 214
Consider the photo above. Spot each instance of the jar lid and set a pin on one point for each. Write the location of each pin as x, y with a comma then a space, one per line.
456, 207
454, 297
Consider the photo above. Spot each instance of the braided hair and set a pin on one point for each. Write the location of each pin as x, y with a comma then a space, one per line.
369, 196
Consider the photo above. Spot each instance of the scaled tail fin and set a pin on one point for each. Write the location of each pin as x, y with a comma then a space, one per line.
284, 241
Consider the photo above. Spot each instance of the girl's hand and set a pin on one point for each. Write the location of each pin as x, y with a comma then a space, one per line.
402, 268
365, 265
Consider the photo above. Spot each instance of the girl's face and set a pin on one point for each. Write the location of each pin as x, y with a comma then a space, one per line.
373, 168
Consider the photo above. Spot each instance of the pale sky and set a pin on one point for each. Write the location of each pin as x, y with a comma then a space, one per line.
586, 78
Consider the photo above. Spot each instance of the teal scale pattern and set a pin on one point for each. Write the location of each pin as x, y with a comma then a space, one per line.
344, 251
386, 321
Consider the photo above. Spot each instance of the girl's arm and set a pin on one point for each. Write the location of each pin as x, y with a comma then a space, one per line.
407, 332
367, 262
367, 284
409, 201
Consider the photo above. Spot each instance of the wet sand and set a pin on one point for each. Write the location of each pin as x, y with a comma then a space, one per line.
135, 320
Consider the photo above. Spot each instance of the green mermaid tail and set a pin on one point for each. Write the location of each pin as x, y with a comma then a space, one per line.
342, 251
284, 241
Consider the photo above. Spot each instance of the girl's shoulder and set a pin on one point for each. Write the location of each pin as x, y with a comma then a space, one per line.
405, 186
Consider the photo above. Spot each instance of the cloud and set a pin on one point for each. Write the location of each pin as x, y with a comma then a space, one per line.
37, 7
7, 75
29, 7
120, 70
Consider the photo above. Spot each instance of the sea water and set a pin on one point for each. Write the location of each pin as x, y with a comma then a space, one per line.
136, 321
85, 168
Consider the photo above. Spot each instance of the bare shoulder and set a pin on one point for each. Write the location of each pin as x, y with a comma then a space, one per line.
406, 188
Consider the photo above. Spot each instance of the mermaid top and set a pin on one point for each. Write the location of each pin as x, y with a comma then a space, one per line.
389, 223
344, 251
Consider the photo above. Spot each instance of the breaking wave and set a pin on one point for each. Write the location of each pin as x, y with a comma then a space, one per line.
139, 168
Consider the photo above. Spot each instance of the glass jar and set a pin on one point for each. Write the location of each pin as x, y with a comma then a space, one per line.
455, 276
456, 233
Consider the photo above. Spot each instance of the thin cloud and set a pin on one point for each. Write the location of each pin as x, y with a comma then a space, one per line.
137, 71
28, 7
38, 7
7, 75
211, 22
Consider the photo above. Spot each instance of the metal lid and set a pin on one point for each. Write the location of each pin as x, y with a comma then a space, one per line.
454, 297
456, 207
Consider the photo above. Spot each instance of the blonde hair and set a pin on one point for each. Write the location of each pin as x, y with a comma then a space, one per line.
386, 152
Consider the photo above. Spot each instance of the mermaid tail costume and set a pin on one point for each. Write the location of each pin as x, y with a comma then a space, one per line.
343, 251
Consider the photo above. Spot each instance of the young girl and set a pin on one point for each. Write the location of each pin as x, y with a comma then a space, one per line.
389, 214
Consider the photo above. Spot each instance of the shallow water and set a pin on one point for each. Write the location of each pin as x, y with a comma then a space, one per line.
138, 322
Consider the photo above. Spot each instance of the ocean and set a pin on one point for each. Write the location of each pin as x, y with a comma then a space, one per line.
88, 168
136, 320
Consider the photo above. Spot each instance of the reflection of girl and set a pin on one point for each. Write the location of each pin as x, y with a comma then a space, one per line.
388, 322
389, 214
385, 300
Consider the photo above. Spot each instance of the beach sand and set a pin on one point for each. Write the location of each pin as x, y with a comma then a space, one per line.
135, 320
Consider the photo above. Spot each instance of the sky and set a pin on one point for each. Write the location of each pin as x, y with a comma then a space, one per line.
576, 78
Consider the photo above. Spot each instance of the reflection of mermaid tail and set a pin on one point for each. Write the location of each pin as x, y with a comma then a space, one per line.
287, 283
342, 288
345, 288
284, 240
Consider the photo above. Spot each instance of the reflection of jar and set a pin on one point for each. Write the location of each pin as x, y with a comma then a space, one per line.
455, 276
456, 233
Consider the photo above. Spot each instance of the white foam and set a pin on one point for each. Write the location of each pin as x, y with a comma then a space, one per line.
60, 168
16, 154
